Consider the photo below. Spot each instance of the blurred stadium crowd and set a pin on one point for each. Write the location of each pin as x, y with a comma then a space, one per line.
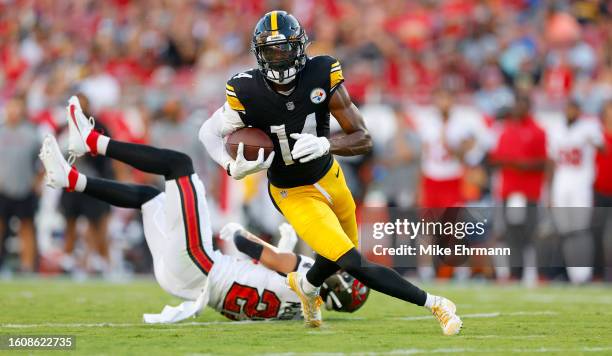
465, 101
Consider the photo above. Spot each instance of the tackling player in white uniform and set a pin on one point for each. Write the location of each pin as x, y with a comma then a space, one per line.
178, 231
572, 147
452, 136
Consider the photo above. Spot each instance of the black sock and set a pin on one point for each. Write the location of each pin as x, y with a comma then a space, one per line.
120, 194
321, 270
380, 278
168, 163
248, 247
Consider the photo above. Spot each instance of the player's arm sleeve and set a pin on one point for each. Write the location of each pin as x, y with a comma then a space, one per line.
223, 122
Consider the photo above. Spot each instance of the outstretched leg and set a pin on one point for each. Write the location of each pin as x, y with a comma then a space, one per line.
182, 262
60, 175
119, 194
318, 213
377, 277
382, 279
168, 163
83, 139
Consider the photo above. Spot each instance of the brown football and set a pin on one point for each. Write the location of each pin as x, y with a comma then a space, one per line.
253, 140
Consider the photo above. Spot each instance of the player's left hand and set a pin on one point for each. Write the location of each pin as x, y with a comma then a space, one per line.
288, 238
309, 147
241, 167
229, 230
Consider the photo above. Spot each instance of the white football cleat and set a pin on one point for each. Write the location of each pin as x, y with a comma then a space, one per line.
79, 127
311, 303
56, 167
444, 310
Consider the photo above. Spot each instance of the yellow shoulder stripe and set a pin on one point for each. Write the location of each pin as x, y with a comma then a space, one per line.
335, 64
234, 103
335, 78
229, 87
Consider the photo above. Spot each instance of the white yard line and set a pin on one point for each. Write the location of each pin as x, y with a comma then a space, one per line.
485, 315
416, 351
118, 325
501, 350
541, 298
206, 323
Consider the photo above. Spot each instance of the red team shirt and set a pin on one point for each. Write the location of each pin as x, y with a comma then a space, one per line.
521, 140
603, 162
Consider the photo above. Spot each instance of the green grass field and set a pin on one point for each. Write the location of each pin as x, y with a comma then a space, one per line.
106, 318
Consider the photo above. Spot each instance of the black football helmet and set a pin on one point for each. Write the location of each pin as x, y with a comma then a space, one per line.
341, 292
279, 43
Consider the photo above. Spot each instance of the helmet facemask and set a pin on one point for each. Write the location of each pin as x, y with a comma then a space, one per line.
278, 58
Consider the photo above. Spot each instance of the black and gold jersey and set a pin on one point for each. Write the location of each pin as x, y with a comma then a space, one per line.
304, 110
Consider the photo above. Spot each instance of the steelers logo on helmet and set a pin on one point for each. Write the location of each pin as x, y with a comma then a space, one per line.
317, 95
279, 44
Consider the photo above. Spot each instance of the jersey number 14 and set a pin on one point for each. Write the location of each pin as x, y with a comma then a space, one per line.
310, 127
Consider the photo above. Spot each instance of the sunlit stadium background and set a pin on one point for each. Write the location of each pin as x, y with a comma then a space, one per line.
153, 70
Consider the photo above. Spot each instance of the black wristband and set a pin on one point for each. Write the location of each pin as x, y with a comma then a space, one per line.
297, 262
248, 247
227, 169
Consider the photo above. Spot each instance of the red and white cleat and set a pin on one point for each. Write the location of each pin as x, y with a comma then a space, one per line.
80, 129
58, 172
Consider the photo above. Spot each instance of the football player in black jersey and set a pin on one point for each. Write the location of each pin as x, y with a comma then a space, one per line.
290, 97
